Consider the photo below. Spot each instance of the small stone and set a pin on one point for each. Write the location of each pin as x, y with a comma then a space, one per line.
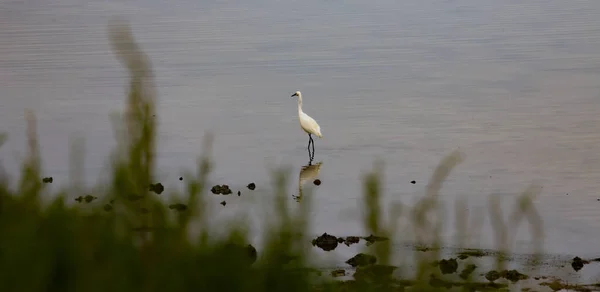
362, 259
413, 182
492, 276
578, 263
513, 275
89, 198
448, 266
239, 193
157, 188
79, 199
317, 182
180, 178
251, 186
223, 190
372, 239
326, 242
47, 180
351, 240
223, 203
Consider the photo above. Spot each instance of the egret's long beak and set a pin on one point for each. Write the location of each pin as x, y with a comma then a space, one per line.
295, 94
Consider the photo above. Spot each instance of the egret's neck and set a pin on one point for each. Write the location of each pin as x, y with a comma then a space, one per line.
299, 103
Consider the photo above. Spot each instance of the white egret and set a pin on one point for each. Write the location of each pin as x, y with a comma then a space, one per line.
308, 124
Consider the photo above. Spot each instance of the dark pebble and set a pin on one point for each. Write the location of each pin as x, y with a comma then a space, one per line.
89, 198
578, 263
513, 275
413, 182
492, 276
325, 242
157, 188
180, 178
47, 180
317, 182
351, 240
223, 190
223, 203
251, 186
448, 266
361, 259
239, 193
372, 239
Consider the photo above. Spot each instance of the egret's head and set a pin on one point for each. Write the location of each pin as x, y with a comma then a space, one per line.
297, 93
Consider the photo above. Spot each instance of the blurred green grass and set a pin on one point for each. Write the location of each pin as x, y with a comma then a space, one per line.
111, 246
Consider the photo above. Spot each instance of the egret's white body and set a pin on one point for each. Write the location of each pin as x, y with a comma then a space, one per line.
308, 124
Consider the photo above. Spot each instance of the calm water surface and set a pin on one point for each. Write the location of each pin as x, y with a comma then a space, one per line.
515, 86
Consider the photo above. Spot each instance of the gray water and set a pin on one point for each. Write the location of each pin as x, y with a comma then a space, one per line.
514, 85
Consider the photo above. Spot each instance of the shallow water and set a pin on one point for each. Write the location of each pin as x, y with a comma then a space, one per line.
513, 85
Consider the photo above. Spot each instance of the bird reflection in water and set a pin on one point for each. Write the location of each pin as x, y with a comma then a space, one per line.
307, 174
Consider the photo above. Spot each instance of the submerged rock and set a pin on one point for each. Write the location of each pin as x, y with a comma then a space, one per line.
223, 203
221, 189
351, 240
317, 182
251, 186
157, 188
362, 259
471, 253
47, 180
325, 242
513, 275
492, 276
448, 266
372, 239
578, 263
87, 198
108, 207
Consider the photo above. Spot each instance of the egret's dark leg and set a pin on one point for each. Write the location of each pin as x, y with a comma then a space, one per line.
313, 147
309, 141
